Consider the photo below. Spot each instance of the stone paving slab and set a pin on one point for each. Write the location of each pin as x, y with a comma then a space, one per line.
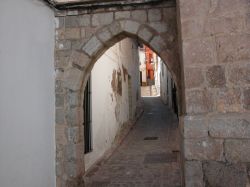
153, 158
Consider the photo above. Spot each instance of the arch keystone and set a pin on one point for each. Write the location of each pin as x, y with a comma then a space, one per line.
115, 28
130, 26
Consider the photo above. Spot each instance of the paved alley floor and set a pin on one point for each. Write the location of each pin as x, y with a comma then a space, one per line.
149, 91
148, 157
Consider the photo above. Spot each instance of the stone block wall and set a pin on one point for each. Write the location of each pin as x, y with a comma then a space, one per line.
215, 39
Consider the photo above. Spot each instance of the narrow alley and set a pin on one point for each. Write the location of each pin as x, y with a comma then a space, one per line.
148, 156
76, 74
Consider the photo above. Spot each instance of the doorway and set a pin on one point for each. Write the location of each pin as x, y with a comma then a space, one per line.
87, 118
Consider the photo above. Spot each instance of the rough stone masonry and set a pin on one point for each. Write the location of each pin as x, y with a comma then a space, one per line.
215, 39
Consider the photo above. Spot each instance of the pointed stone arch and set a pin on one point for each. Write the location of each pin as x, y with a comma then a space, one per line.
74, 75
82, 61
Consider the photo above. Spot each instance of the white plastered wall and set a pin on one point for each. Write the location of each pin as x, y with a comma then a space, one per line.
166, 86
109, 109
27, 143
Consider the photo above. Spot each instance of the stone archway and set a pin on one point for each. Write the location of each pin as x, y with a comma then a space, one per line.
82, 61
215, 59
72, 77
108, 35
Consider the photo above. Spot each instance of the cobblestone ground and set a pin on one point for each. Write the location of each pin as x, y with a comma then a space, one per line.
149, 156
